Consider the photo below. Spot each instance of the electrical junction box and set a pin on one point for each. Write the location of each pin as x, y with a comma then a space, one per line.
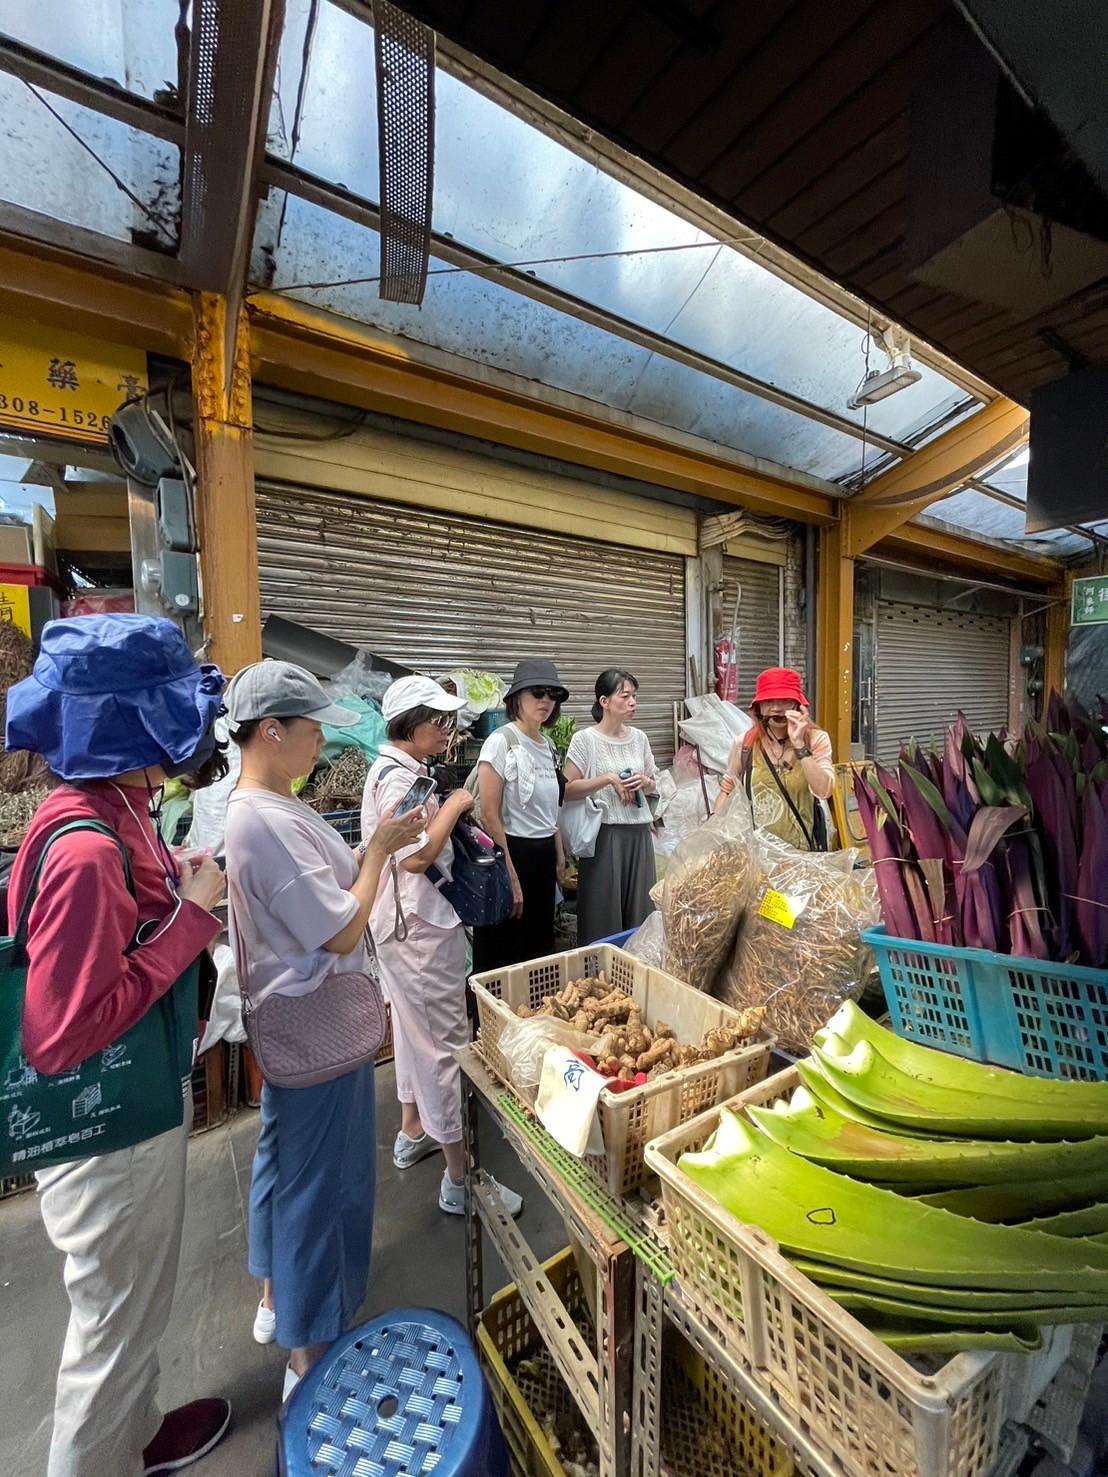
179, 585
174, 516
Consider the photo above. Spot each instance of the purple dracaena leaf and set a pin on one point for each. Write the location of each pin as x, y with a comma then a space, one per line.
1026, 914
884, 837
986, 829
1090, 906
1054, 823
924, 812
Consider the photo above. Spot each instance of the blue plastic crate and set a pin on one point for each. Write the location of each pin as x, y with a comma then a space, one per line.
1047, 1020
348, 823
619, 939
489, 721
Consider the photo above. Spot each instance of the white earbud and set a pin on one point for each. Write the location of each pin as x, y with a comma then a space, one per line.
274, 735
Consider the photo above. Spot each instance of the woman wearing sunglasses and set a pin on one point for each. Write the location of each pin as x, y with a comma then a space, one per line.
421, 944
521, 792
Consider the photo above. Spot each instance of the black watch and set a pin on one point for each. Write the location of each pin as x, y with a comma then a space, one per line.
803, 753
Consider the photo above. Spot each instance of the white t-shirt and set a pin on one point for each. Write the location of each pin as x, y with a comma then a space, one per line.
530, 805
595, 753
419, 897
288, 875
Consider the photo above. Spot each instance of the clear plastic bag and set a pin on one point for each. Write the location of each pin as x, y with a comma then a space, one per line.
706, 889
523, 1044
799, 951
648, 942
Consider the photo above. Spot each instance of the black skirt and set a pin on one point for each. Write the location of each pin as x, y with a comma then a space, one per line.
531, 935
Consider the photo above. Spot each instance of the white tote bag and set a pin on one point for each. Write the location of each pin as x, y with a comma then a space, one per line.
579, 820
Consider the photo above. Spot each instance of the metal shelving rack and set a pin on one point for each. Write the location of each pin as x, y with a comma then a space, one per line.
617, 1383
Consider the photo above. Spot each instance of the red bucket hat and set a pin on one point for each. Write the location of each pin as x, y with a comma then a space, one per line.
781, 683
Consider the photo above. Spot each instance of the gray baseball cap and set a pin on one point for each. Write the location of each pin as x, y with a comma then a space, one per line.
281, 690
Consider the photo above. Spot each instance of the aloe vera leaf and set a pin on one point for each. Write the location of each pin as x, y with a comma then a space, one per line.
824, 1091
939, 1068
1092, 1220
867, 1078
957, 1341
826, 1137
829, 1276
1020, 1200
814, 1212
965, 1317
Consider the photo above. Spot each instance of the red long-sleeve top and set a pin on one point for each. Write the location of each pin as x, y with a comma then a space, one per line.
83, 990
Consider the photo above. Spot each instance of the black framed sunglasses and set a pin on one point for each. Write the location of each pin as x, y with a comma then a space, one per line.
553, 693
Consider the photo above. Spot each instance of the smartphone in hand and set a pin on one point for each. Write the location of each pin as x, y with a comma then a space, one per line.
421, 789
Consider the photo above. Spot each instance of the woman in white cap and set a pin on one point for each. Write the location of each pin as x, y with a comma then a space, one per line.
421, 944
300, 904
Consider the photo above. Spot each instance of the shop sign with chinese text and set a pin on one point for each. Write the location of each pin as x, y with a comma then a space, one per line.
15, 607
1090, 601
57, 383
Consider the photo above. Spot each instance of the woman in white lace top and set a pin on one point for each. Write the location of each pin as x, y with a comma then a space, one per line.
613, 763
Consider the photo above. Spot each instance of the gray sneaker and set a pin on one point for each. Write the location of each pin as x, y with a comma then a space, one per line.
406, 1151
452, 1197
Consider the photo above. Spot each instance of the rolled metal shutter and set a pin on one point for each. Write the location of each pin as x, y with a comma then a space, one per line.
931, 664
436, 592
760, 617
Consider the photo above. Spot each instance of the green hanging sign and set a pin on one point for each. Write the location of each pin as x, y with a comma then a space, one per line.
1090, 601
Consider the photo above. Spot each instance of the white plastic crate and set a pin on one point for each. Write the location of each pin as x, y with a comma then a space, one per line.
627, 1119
872, 1411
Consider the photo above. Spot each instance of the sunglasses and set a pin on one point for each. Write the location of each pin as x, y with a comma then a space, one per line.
553, 693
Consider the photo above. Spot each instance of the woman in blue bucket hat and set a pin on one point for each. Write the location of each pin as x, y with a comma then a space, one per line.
115, 704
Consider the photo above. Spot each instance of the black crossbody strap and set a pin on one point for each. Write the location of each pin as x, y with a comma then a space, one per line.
788, 799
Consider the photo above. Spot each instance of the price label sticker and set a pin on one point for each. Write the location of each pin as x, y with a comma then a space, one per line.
782, 907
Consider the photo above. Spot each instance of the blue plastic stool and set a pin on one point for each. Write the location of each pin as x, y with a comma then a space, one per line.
619, 939
400, 1396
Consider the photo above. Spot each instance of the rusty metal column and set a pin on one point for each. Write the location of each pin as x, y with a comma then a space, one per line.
225, 488
835, 635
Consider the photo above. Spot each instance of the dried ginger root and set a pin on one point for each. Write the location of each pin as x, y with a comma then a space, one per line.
658, 1055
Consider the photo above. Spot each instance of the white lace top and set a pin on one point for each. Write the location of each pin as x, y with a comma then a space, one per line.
595, 753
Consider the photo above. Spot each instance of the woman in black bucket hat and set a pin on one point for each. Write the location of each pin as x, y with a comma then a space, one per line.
521, 791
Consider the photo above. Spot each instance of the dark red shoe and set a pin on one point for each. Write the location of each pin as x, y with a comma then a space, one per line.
186, 1434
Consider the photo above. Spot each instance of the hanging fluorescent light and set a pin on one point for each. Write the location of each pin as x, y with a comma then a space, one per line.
879, 384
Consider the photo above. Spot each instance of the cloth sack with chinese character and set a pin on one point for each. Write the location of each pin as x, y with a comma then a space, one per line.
131, 1091
567, 1102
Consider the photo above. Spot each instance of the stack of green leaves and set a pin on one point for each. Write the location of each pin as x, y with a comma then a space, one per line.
946, 1204
1001, 844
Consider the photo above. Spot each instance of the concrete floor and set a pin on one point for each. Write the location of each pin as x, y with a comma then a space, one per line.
208, 1348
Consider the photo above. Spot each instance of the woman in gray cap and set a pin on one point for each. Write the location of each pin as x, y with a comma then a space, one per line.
300, 901
521, 792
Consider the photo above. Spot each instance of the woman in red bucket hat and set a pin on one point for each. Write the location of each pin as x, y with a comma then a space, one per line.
784, 763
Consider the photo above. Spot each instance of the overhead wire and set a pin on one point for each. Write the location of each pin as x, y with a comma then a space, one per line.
108, 170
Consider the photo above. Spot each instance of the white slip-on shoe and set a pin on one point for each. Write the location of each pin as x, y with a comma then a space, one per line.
265, 1325
408, 1151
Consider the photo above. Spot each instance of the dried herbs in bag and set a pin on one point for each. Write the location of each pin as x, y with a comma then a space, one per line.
706, 889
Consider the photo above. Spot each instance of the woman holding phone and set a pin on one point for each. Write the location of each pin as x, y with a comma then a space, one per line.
421, 944
300, 903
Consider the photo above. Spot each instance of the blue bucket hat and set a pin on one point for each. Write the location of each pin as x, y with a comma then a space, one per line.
112, 693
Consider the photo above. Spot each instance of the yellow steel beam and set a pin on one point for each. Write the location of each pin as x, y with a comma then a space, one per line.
971, 557
1057, 640
935, 471
50, 288
314, 353
225, 512
835, 639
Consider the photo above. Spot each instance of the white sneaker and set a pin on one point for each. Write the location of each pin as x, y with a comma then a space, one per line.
265, 1325
292, 1379
452, 1197
408, 1151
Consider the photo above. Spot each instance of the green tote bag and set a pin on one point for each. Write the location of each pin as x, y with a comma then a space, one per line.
130, 1091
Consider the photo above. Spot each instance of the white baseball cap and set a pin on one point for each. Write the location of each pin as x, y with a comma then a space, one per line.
407, 693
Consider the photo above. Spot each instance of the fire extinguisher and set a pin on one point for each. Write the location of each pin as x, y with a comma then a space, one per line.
727, 669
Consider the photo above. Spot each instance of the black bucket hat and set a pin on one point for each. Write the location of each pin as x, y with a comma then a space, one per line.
536, 672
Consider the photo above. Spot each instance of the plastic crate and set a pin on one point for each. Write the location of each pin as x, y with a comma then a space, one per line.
348, 823
706, 1430
871, 1411
1043, 1019
627, 1119
488, 722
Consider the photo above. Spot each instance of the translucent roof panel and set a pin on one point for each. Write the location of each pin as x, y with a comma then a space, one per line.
76, 187
131, 42
490, 324
507, 190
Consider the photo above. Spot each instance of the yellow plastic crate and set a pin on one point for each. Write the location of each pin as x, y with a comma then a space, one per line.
706, 1429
